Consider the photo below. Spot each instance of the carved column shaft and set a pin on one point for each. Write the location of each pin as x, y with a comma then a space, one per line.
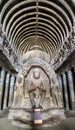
8, 93
4, 74
13, 88
60, 88
60, 81
65, 91
0, 71
71, 88
11, 94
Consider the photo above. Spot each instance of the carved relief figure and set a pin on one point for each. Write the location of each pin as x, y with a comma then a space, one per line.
18, 91
37, 93
55, 93
35, 89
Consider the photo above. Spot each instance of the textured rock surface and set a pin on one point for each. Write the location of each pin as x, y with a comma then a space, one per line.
43, 83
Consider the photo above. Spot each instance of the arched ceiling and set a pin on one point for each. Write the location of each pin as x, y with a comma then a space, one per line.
46, 23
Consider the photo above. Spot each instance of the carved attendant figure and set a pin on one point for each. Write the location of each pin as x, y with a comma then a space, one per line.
54, 93
18, 92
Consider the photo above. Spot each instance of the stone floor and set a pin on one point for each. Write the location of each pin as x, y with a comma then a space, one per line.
68, 124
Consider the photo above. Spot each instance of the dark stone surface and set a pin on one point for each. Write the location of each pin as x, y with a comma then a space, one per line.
68, 64
68, 124
4, 62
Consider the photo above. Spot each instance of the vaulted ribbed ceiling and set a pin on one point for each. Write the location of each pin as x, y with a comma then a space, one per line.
45, 23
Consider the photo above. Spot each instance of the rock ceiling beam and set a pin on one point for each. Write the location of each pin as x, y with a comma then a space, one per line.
30, 29
40, 26
51, 41
41, 44
51, 20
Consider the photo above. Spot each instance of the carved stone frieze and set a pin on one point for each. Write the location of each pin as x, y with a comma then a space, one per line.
69, 48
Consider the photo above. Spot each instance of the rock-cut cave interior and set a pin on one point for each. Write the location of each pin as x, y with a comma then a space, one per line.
37, 64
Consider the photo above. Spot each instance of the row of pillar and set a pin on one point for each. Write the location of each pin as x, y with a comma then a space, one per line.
66, 82
7, 81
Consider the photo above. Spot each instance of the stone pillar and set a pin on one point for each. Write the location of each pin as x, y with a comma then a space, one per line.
60, 88
71, 88
0, 71
3, 76
60, 82
65, 92
0, 85
8, 93
11, 90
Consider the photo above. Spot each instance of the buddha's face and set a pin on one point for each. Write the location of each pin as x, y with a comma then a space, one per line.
36, 73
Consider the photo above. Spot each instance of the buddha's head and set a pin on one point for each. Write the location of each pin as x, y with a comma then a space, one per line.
36, 73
